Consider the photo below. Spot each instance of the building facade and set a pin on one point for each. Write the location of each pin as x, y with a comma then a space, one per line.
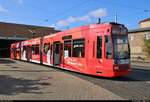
11, 32
137, 38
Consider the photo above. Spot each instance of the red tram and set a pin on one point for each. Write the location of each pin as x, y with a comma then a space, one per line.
97, 49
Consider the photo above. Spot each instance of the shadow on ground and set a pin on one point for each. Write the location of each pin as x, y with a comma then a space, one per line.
138, 75
27, 71
13, 86
6, 61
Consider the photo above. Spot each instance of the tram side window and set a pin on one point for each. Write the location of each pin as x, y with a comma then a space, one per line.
78, 48
11, 49
99, 47
46, 47
24, 48
57, 48
67, 48
35, 49
108, 47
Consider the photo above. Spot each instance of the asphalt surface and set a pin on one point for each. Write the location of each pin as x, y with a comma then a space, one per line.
135, 86
27, 81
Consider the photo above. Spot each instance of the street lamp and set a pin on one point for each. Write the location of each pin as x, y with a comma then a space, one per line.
146, 10
33, 32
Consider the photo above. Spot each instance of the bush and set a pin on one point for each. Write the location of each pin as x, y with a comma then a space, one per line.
147, 46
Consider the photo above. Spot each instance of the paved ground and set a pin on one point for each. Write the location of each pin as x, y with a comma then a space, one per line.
135, 86
26, 81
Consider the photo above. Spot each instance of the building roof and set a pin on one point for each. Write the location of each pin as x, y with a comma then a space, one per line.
23, 30
9, 23
139, 30
145, 20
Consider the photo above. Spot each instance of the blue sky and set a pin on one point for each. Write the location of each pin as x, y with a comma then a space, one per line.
64, 14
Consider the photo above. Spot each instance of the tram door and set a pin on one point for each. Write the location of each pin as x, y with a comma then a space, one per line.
15, 54
28, 53
57, 53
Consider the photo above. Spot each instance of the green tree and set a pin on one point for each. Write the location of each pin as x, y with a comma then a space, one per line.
147, 46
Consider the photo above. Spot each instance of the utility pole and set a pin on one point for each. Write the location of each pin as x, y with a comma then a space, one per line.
99, 21
33, 32
116, 17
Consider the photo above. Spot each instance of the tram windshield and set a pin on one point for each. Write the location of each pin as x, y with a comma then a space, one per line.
121, 49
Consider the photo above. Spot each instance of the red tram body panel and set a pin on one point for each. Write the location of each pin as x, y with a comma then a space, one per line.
15, 52
97, 49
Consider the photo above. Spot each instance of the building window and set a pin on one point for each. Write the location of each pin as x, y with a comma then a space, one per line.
131, 37
79, 48
35, 49
99, 47
67, 48
146, 36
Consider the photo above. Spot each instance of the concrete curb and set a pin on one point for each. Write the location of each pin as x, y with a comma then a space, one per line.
148, 62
